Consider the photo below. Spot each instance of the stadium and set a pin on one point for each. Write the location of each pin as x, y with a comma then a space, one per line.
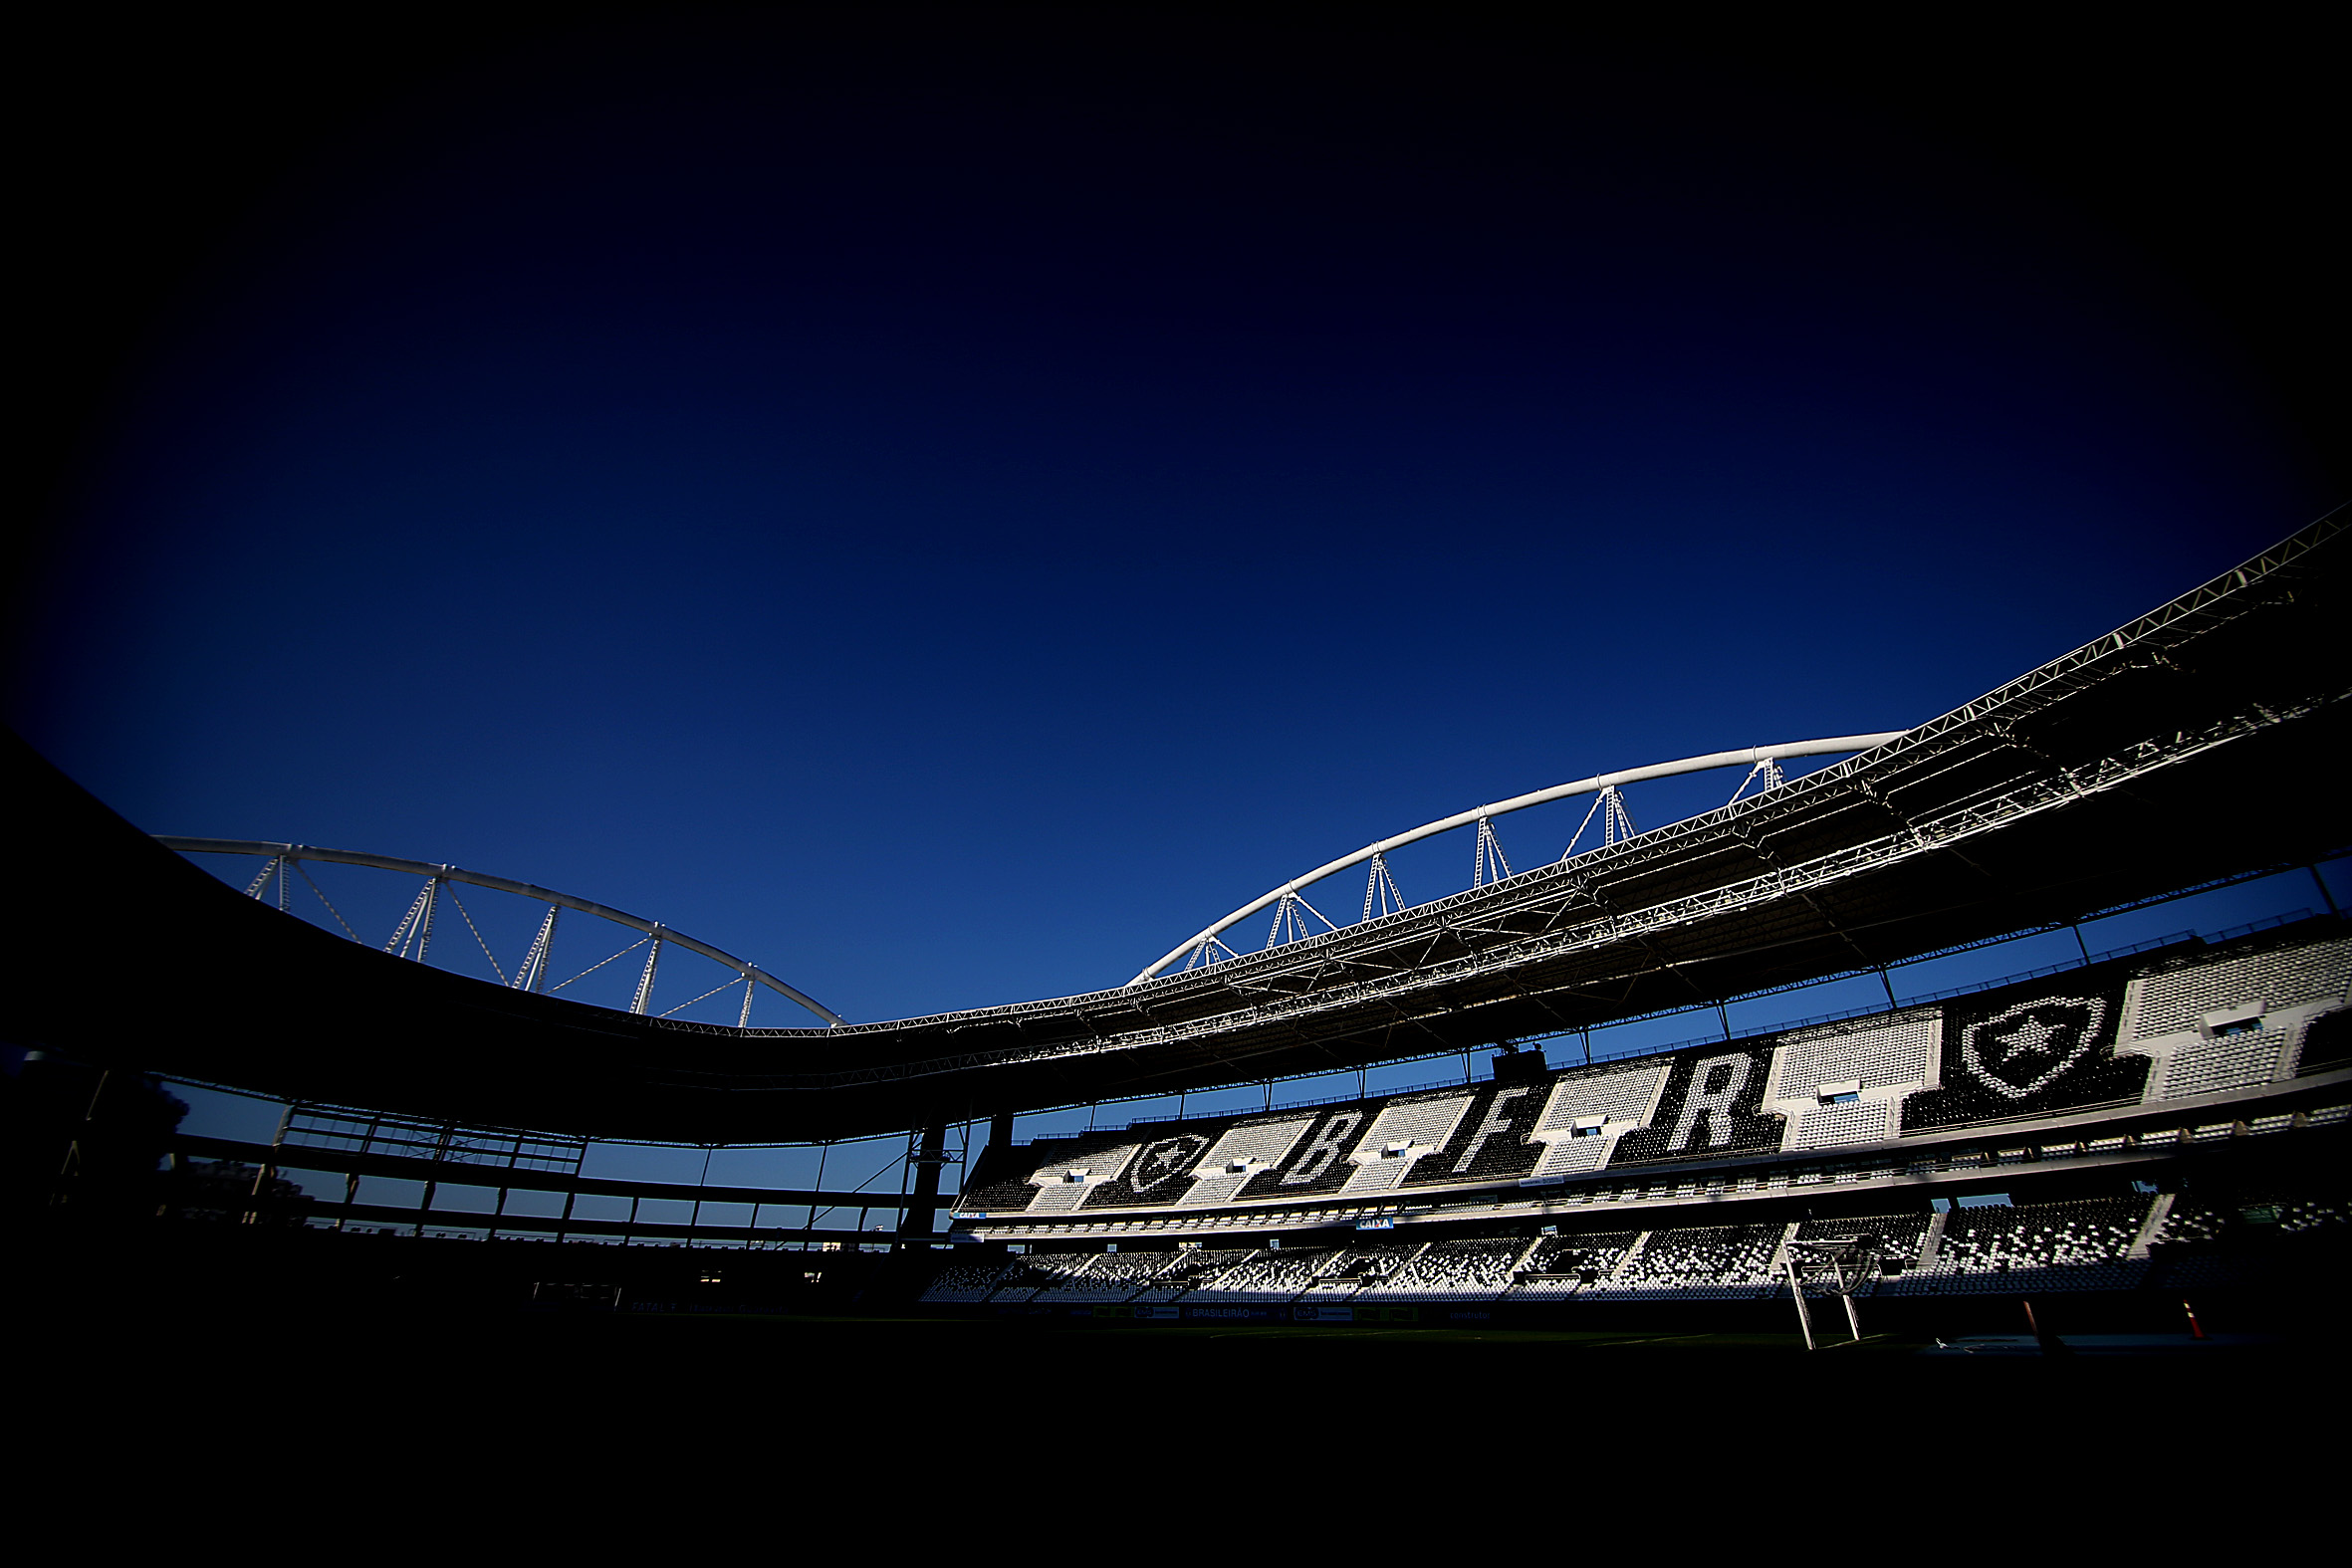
2142, 1140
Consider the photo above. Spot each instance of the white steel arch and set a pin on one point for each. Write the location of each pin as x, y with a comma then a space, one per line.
1760, 758
296, 855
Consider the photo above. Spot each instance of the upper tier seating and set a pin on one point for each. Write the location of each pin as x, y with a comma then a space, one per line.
1239, 1154
2179, 999
1845, 1083
2236, 1062
2235, 1024
1064, 1184
2193, 1026
1587, 1112
1401, 1136
2327, 1042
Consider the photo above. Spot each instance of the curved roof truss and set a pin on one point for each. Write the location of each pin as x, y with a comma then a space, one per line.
1751, 756
295, 854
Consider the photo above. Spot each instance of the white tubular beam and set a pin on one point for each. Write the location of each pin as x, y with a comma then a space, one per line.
348, 857
1748, 757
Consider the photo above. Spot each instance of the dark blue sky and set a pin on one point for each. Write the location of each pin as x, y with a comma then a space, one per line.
945, 512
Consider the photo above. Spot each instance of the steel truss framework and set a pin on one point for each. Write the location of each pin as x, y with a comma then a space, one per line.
1409, 968
2113, 773
1488, 865
412, 937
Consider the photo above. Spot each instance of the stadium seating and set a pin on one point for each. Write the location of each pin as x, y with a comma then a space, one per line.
2076, 1244
2191, 1024
2043, 1150
1846, 1083
1561, 1265
2233, 1023
1361, 1266
2235, 1061
1646, 1166
2192, 1223
1715, 1261
1451, 1272
1270, 1276
1026, 1277
1189, 1270
2178, 998
1587, 1112
1401, 1136
1493, 1143
1064, 1183
1240, 1154
2327, 1042
964, 1281
1109, 1276
1897, 1237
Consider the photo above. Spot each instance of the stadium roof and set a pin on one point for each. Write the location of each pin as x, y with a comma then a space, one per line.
2198, 742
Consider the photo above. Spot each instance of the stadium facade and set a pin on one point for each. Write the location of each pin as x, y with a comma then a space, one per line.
2101, 1129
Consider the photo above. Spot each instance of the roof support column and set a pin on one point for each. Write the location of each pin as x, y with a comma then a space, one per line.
930, 1155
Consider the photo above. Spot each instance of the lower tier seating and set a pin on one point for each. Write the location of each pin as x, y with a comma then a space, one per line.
2081, 1246
1718, 1261
2078, 1244
1451, 1272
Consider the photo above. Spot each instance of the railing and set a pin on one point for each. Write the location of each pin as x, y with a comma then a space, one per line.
2266, 923
431, 1175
